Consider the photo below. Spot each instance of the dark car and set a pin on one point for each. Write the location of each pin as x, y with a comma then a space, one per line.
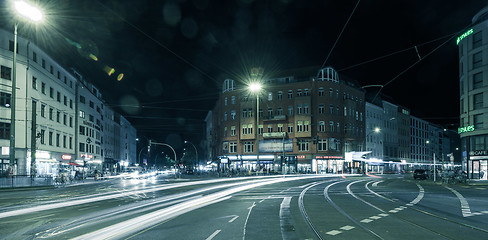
420, 174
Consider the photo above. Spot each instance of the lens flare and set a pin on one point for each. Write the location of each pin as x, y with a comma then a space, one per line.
93, 57
109, 70
120, 76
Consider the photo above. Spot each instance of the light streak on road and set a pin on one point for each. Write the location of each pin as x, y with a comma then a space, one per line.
142, 222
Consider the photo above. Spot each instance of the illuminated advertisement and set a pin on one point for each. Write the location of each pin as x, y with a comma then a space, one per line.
275, 145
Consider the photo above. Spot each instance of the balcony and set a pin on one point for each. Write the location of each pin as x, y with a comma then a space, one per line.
274, 118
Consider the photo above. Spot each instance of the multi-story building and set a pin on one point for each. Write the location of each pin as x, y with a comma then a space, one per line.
419, 140
310, 116
58, 114
127, 141
473, 83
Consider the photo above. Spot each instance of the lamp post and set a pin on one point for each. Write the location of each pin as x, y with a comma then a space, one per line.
196, 152
256, 88
34, 14
375, 130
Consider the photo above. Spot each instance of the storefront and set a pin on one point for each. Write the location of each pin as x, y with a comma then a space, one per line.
322, 164
478, 165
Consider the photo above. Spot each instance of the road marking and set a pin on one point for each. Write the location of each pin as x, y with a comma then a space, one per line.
287, 228
375, 217
333, 232
376, 183
347, 227
393, 211
234, 218
367, 220
213, 235
383, 214
419, 197
464, 203
245, 223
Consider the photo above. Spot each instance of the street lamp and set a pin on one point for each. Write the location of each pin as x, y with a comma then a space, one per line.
34, 14
256, 87
375, 130
196, 152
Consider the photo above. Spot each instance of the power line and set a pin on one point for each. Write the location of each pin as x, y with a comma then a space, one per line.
343, 28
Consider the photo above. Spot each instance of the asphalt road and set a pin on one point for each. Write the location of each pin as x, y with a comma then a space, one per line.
294, 207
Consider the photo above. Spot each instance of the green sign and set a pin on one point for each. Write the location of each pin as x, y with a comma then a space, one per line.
466, 129
469, 32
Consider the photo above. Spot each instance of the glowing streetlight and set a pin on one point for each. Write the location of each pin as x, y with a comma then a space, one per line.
256, 87
34, 14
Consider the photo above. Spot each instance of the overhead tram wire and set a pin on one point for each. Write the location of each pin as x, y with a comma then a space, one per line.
397, 52
159, 43
415, 63
340, 34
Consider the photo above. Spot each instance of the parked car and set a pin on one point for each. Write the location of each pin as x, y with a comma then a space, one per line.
420, 174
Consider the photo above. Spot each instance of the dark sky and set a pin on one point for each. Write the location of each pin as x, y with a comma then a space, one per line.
174, 54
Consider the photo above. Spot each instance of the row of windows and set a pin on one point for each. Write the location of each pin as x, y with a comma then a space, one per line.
64, 98
301, 126
66, 120
55, 140
300, 110
89, 132
89, 148
51, 67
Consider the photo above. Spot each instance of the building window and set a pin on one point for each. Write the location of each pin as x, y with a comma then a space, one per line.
34, 56
321, 92
299, 126
232, 147
34, 82
233, 114
280, 95
279, 111
280, 127
478, 121
82, 114
233, 130
42, 136
270, 112
233, 99
331, 109
478, 80
331, 126
270, 96
59, 75
82, 147
248, 147
225, 131
244, 113
290, 94
478, 101
260, 129
65, 119
477, 60
225, 101
321, 126
43, 63
5, 99
58, 96
322, 145
306, 124
71, 103
82, 99
225, 116
306, 92
4, 130
299, 92
64, 141
43, 88
91, 118
51, 113
58, 116
43, 110
303, 146
477, 39
290, 128
50, 138
299, 109
70, 142
91, 104
321, 108
6, 73
290, 111
11, 46
305, 108
244, 129
70, 121
249, 128
51, 92
51, 69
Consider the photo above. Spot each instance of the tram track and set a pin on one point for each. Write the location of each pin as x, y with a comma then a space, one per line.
363, 224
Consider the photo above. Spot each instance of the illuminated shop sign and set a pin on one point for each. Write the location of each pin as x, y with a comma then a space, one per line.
66, 157
469, 128
469, 32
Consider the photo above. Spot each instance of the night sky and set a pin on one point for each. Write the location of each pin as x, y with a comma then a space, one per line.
174, 54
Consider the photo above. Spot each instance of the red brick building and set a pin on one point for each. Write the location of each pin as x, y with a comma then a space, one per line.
311, 116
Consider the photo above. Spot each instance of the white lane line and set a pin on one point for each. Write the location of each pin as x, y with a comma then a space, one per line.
233, 219
464, 203
419, 197
383, 214
393, 211
333, 232
213, 235
347, 228
360, 199
366, 220
245, 223
375, 217
287, 228
376, 183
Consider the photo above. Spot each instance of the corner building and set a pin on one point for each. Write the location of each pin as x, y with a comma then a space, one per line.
473, 84
308, 120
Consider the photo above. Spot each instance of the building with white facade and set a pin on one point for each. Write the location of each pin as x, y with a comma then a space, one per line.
58, 115
473, 83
